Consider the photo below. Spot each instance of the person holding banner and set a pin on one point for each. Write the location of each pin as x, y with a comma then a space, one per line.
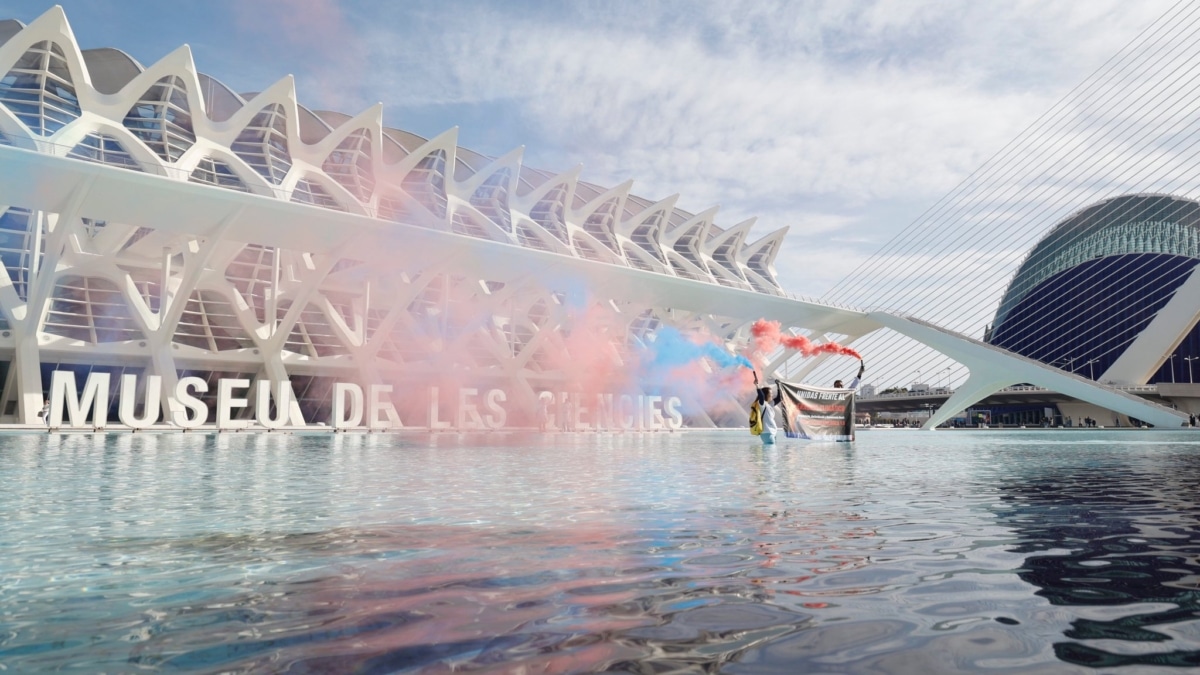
862, 368
818, 413
766, 412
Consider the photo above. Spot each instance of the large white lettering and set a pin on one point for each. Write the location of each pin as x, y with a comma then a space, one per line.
468, 415
262, 403
63, 393
353, 406
654, 418
226, 402
674, 416
626, 416
125, 410
496, 414
434, 422
603, 419
379, 406
340, 419
199, 408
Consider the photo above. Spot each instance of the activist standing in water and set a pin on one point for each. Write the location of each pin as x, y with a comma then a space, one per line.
766, 412
862, 367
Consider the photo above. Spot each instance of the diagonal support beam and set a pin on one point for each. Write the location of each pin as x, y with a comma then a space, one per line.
991, 367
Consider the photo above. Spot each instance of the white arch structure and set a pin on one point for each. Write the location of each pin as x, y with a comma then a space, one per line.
152, 215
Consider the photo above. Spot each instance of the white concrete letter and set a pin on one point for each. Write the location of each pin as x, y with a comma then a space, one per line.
654, 418
226, 403
63, 393
468, 415
262, 403
581, 412
340, 391
378, 404
604, 411
434, 422
497, 415
674, 417
129, 401
625, 412
189, 402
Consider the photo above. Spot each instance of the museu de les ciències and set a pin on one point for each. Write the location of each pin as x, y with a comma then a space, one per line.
206, 234
178, 253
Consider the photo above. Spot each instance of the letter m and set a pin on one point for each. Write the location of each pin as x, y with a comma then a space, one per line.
63, 394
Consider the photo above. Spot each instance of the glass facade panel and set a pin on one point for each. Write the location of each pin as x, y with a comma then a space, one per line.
39, 90
550, 213
635, 260
427, 183
104, 149
21, 247
646, 236
491, 198
162, 119
463, 223
600, 224
586, 250
90, 309
310, 192
263, 144
529, 238
350, 165
215, 172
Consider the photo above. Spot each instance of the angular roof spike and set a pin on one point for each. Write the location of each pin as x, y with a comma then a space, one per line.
769, 245
702, 219
282, 92
530, 199
621, 191
371, 118
177, 63
447, 141
737, 233
510, 159
666, 205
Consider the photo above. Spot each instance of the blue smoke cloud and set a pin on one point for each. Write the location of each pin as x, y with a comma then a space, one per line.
670, 349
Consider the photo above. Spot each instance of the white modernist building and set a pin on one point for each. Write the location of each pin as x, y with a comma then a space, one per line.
155, 223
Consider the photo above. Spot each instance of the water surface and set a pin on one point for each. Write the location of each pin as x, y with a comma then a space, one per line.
904, 552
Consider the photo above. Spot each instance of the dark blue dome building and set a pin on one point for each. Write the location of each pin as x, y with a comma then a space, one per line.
1090, 289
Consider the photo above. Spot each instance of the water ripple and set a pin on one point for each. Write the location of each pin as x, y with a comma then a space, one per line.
697, 552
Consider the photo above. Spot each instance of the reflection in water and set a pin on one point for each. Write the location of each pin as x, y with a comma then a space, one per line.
1117, 535
697, 552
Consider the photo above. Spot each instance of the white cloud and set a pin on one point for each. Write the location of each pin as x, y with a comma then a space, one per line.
841, 120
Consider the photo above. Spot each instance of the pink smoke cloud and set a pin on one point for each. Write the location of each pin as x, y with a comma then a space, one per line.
767, 336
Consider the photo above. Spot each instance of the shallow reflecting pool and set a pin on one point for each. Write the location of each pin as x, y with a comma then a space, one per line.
904, 552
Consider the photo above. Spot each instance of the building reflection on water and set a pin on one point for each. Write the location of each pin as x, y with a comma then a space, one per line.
1107, 539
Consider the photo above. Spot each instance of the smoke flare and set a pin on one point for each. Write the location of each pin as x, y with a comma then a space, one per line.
767, 336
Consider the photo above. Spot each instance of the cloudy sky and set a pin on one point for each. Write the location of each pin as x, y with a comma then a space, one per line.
843, 120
